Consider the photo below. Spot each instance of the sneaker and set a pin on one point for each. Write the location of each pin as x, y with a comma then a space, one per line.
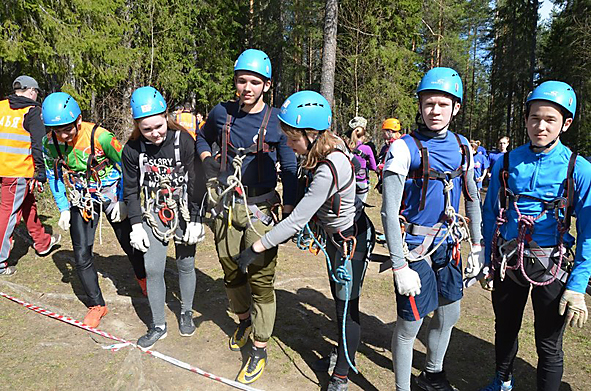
142, 283
186, 325
433, 382
497, 384
338, 384
326, 364
154, 334
254, 367
240, 336
55, 239
8, 271
94, 315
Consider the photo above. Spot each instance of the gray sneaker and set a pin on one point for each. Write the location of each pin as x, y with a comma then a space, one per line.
186, 325
55, 239
154, 334
8, 271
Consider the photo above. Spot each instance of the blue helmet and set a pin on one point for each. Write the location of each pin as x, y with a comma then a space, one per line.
556, 92
146, 102
59, 109
254, 60
444, 80
306, 110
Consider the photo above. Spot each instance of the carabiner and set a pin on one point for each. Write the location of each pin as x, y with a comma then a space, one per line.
166, 214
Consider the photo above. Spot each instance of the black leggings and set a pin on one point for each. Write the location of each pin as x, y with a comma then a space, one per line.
83, 234
509, 299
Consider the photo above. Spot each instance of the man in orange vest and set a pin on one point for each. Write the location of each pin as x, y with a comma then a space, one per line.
21, 168
184, 116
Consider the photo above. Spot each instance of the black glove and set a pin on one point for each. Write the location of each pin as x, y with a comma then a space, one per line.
40, 175
211, 167
245, 258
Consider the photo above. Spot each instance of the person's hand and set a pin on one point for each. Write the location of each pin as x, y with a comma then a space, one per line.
211, 167
245, 258
64, 222
119, 212
487, 281
194, 233
475, 261
576, 309
139, 238
407, 281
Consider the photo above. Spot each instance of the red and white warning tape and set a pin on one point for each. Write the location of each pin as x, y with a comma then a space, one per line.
124, 343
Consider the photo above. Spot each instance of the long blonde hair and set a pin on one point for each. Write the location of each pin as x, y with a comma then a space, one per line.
356, 135
325, 143
170, 124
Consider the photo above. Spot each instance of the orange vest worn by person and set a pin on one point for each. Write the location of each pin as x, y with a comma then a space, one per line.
187, 121
16, 160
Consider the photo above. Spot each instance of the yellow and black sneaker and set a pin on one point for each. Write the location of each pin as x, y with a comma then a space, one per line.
254, 367
240, 336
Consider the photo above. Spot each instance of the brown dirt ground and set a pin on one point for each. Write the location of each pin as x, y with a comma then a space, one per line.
39, 353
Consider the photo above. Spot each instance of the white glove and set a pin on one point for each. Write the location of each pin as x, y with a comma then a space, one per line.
475, 261
119, 212
407, 281
194, 233
64, 222
139, 238
577, 312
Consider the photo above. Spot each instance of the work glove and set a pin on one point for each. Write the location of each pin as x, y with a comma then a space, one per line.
475, 261
245, 258
119, 212
407, 281
211, 167
487, 281
577, 313
194, 233
139, 238
40, 175
64, 222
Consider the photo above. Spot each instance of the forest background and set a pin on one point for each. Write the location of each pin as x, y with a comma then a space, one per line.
101, 50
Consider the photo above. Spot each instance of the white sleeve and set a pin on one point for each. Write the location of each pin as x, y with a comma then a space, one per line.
398, 158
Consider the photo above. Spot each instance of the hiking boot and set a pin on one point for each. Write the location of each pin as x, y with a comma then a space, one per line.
338, 384
94, 315
186, 325
497, 384
240, 336
55, 239
254, 367
8, 271
326, 363
154, 334
433, 382
142, 283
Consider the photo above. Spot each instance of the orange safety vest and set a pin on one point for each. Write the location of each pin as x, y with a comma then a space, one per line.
187, 121
15, 143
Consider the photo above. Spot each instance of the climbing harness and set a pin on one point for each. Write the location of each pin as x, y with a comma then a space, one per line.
551, 262
362, 173
165, 194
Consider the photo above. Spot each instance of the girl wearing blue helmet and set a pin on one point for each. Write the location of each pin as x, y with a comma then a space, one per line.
426, 172
305, 119
534, 190
163, 203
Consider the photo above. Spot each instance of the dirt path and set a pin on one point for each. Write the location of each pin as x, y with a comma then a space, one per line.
39, 353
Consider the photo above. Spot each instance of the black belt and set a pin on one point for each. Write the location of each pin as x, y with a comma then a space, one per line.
257, 191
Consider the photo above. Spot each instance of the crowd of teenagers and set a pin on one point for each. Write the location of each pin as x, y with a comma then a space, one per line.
177, 172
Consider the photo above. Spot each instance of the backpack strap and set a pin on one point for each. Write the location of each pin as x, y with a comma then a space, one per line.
569, 190
465, 156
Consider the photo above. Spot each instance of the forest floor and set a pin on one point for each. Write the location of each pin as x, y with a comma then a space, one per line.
40, 353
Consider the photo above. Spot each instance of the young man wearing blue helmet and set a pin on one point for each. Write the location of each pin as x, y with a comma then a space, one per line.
533, 193
247, 131
331, 197
424, 175
161, 192
83, 164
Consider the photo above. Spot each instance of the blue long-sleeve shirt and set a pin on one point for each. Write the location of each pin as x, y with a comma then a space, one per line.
244, 133
542, 175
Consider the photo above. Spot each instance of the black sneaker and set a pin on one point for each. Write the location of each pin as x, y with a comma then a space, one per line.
326, 364
55, 239
240, 336
254, 367
154, 334
186, 325
434, 382
8, 271
338, 384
